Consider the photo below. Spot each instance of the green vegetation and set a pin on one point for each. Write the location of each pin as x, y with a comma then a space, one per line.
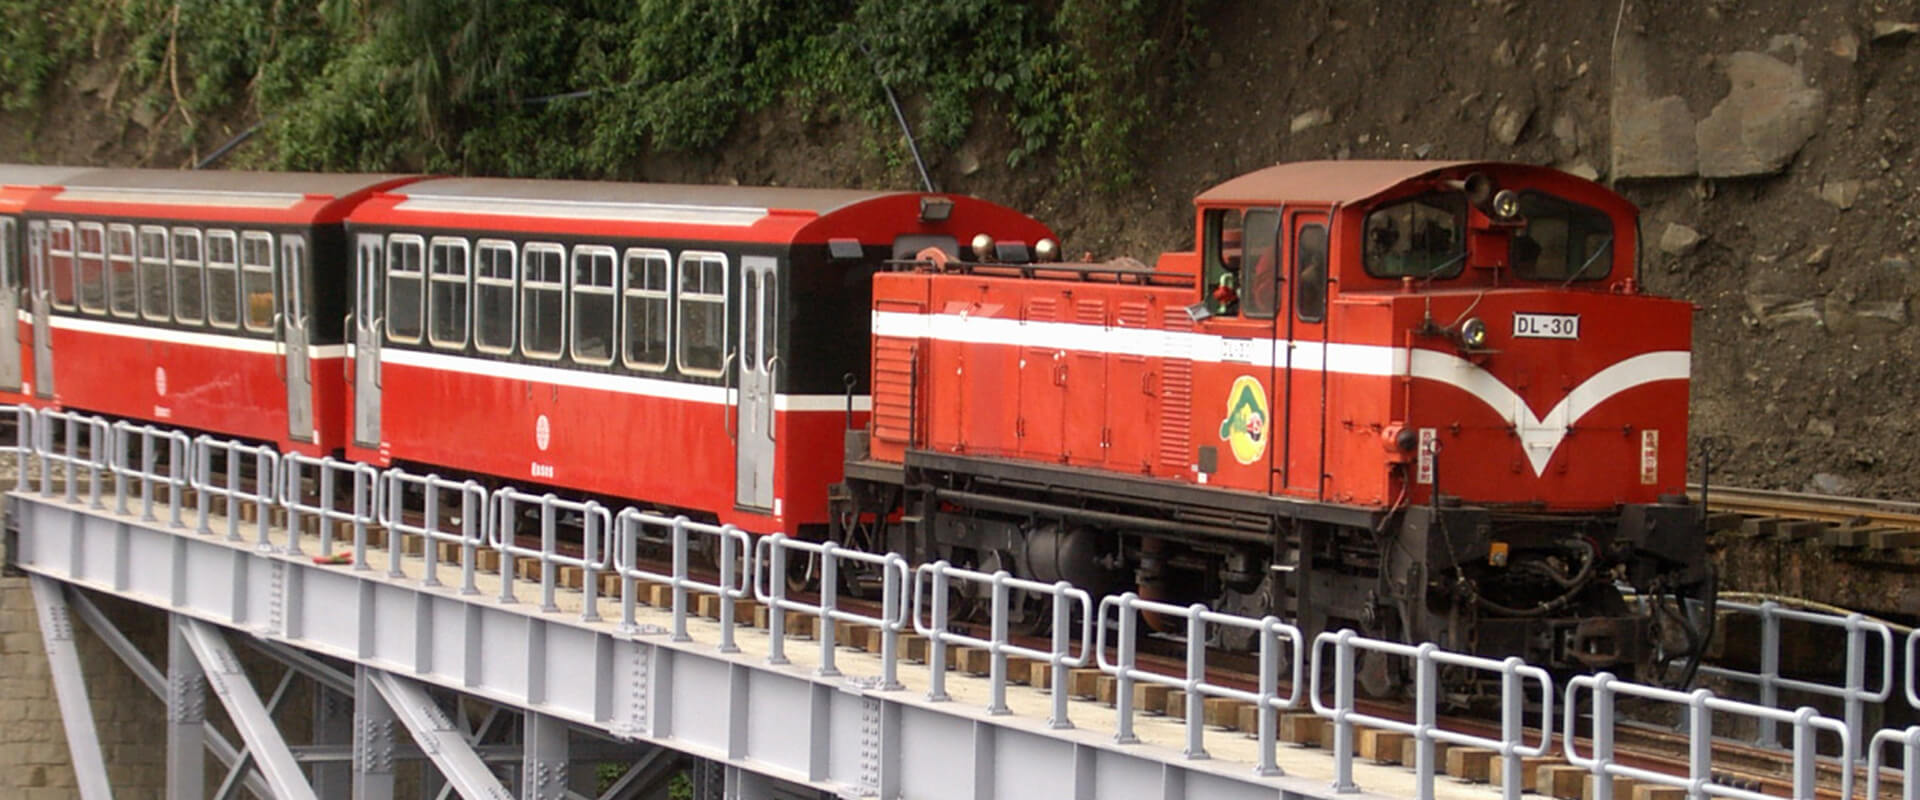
587, 88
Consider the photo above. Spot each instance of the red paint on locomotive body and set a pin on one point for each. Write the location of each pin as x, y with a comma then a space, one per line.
1361, 393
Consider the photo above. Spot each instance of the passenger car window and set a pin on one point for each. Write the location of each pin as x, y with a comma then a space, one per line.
154, 295
644, 288
447, 293
190, 278
1419, 237
1561, 240
543, 300
493, 293
223, 279
256, 279
593, 304
91, 259
60, 263
405, 263
703, 312
123, 296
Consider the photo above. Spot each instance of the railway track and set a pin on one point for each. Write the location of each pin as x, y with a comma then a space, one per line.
1841, 521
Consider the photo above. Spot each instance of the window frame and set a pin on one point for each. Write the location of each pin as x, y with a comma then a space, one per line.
1458, 256
131, 260
10, 277
527, 284
682, 297
665, 298
54, 254
1301, 236
512, 284
270, 269
1571, 209
208, 266
611, 292
465, 287
1273, 251
420, 277
144, 260
80, 258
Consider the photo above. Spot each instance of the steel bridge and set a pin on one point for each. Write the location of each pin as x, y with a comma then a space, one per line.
516, 642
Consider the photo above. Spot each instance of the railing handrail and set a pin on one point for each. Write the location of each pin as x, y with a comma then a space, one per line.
999, 645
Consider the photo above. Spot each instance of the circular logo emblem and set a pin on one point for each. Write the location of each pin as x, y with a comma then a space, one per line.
160, 381
1245, 428
542, 432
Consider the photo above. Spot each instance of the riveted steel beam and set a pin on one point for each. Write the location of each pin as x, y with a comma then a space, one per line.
444, 742
70, 688
249, 715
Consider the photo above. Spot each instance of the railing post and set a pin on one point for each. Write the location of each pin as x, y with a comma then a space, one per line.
473, 504
549, 541
1602, 734
679, 586
177, 466
429, 525
1123, 677
829, 602
997, 659
1196, 709
727, 558
1512, 726
776, 599
366, 503
1057, 668
894, 573
1769, 671
1855, 707
1699, 744
594, 533
1343, 706
1269, 694
291, 499
937, 638
623, 561
264, 475
1805, 777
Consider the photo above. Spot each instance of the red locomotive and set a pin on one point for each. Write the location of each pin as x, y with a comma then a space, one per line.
1425, 400
1428, 400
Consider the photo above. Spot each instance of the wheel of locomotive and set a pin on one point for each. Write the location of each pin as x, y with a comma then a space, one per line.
1028, 614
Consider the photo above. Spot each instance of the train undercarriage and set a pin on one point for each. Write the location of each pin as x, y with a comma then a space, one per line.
1570, 592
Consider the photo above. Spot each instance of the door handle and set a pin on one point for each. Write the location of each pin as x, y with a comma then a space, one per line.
349, 370
376, 326
726, 396
773, 393
279, 349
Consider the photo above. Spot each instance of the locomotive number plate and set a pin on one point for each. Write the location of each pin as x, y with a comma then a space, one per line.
1546, 326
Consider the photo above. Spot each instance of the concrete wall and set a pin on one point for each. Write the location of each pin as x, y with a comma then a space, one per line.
34, 764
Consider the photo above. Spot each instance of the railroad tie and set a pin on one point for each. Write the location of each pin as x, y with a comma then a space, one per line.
1472, 764
1381, 746
1651, 791
1040, 675
1440, 750
1622, 787
1159, 699
1083, 683
1893, 539
1304, 728
977, 661
1530, 767
1760, 527
1803, 529
1563, 781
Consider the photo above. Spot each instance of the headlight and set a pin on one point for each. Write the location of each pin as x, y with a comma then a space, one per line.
1473, 333
1506, 204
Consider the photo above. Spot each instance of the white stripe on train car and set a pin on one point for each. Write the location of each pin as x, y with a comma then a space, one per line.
611, 382
183, 197
1539, 436
216, 341
569, 209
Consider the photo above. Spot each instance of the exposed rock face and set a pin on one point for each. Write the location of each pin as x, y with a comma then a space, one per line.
1653, 138
1763, 122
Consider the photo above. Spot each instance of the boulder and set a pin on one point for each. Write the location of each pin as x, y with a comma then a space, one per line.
1310, 119
1764, 120
1653, 138
1510, 119
1888, 31
1679, 240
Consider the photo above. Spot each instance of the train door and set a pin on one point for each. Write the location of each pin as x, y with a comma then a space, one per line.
293, 325
42, 300
1242, 308
759, 361
366, 341
9, 304
1303, 465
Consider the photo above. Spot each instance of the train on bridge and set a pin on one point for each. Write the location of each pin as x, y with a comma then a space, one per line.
1430, 401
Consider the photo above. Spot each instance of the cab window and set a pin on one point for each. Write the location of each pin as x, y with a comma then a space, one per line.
1561, 240
1419, 237
1260, 296
1310, 253
1223, 253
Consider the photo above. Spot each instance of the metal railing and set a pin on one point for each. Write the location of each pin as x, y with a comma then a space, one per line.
266, 465
85, 444
1271, 632
1909, 741
734, 582
462, 521
1854, 694
153, 442
1700, 705
772, 553
358, 508
596, 538
1427, 660
25, 428
433, 511
1068, 651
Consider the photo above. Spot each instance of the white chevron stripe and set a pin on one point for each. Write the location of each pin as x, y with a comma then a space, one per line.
1540, 437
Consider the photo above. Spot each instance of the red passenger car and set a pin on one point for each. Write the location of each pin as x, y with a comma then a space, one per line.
20, 184
1426, 400
207, 300
698, 348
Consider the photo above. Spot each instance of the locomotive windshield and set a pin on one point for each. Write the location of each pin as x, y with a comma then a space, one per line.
1419, 237
1561, 240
